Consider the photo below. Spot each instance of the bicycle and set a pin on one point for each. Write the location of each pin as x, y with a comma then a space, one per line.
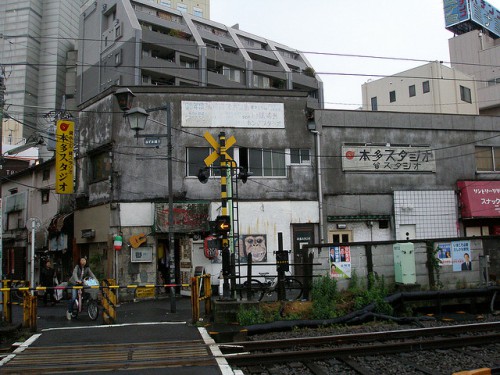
265, 291
85, 299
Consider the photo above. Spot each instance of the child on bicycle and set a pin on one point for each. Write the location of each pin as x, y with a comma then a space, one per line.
80, 273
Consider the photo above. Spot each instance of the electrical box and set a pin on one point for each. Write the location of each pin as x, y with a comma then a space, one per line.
404, 263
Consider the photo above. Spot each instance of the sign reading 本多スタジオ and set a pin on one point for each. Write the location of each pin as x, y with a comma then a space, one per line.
65, 138
373, 158
233, 115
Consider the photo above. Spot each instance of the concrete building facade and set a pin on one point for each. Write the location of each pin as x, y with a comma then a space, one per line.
138, 42
430, 88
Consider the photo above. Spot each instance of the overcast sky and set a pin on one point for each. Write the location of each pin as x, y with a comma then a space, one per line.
396, 29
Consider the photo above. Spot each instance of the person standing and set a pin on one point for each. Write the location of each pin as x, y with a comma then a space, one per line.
47, 276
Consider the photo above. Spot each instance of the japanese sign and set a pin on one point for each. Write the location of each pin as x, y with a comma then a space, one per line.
373, 158
233, 115
479, 11
65, 139
188, 217
340, 262
479, 198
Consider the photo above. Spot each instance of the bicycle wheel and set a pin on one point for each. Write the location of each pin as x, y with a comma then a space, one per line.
256, 290
293, 289
92, 309
74, 309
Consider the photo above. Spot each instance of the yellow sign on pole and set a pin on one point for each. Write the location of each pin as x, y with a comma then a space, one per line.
210, 159
65, 141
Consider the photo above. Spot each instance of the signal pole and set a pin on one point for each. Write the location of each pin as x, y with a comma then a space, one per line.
226, 265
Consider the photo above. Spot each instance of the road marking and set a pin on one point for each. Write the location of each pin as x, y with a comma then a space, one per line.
111, 326
219, 357
21, 348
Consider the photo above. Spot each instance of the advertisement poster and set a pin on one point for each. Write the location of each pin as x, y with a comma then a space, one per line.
461, 256
443, 253
255, 244
340, 262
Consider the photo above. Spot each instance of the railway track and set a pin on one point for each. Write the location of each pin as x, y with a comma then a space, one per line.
110, 357
354, 352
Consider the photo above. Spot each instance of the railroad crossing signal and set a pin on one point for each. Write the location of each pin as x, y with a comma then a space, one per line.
210, 159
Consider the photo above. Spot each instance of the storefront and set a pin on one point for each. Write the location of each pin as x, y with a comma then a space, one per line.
480, 207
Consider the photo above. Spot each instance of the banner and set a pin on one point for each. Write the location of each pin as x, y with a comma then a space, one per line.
340, 262
65, 140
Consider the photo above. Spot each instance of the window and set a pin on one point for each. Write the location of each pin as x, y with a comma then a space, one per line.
300, 156
118, 31
465, 94
45, 195
100, 166
182, 8
166, 3
231, 73
197, 12
196, 160
412, 91
263, 162
341, 236
46, 174
392, 96
426, 87
487, 159
118, 58
261, 81
374, 103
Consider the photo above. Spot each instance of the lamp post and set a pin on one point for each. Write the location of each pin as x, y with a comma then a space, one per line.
137, 118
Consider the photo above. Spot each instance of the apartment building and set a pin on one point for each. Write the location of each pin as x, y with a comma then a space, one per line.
36, 39
430, 88
144, 43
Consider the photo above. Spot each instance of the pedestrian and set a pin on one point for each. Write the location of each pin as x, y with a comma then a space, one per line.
80, 273
47, 276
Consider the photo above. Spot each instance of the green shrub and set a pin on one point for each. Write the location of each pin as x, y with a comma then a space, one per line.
324, 296
249, 316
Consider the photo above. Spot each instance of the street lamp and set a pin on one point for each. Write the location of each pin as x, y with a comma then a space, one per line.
137, 118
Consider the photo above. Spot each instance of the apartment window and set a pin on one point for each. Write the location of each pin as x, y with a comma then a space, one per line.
261, 81
197, 12
231, 73
100, 166
487, 159
465, 94
341, 236
145, 79
118, 31
196, 160
392, 96
300, 156
45, 195
426, 87
166, 3
374, 103
46, 174
412, 91
182, 8
269, 163
118, 58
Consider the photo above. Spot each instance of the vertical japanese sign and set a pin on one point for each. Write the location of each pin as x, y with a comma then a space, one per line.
65, 139
340, 262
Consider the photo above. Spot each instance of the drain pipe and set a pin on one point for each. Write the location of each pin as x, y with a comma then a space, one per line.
320, 183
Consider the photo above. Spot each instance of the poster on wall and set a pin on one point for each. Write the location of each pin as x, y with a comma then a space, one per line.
443, 253
340, 262
461, 256
255, 244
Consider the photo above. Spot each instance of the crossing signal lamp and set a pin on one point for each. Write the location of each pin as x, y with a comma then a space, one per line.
223, 224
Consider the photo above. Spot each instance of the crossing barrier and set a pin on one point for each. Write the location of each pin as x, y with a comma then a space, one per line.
201, 290
108, 288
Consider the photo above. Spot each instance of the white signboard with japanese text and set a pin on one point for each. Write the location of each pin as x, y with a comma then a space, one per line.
233, 115
391, 159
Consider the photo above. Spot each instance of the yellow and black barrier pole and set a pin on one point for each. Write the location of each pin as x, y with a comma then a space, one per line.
7, 306
109, 301
196, 296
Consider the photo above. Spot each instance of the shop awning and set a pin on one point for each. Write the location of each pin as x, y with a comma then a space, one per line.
57, 223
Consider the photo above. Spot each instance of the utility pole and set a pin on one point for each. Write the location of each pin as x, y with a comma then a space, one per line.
2, 102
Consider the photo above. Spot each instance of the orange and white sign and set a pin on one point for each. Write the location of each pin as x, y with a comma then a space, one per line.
65, 141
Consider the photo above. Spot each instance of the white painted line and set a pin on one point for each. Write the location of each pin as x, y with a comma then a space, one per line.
112, 326
21, 348
224, 367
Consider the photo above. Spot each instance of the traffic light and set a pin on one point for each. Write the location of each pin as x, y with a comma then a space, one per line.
223, 224
244, 174
203, 175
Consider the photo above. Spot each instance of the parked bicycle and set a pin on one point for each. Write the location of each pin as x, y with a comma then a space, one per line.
85, 301
268, 290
